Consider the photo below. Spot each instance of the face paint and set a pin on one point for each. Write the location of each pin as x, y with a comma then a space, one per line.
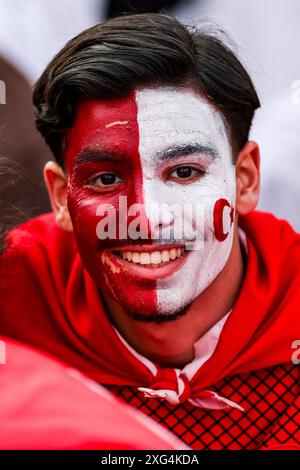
104, 139
169, 118
165, 145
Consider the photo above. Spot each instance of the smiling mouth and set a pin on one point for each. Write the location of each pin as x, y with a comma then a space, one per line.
148, 262
152, 259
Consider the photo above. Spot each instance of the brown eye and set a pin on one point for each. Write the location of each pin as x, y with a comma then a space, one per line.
184, 172
106, 179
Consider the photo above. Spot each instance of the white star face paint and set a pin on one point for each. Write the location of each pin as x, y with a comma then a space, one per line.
156, 147
169, 119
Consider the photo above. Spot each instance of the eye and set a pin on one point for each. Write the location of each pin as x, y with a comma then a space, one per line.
104, 180
188, 173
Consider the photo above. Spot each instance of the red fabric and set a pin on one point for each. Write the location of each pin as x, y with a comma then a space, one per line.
49, 301
46, 405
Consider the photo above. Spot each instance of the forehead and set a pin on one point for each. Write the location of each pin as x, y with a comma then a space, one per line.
171, 116
104, 124
152, 118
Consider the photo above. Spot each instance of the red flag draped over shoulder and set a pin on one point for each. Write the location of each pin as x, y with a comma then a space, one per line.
48, 300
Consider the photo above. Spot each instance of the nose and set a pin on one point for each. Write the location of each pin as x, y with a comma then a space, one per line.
161, 219
159, 210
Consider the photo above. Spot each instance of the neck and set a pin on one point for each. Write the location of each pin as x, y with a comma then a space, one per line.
156, 341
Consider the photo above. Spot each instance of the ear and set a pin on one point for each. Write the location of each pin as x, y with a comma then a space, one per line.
56, 182
247, 178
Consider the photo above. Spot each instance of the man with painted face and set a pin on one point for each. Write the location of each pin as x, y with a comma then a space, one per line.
153, 275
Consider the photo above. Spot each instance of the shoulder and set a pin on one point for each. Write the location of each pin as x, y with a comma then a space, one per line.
36, 230
265, 229
39, 237
267, 221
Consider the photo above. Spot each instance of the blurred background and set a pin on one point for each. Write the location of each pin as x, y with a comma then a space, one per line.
264, 33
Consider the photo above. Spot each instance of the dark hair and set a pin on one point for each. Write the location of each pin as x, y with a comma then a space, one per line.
112, 58
11, 175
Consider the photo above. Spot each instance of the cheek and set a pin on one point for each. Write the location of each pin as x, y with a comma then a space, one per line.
204, 213
222, 210
223, 219
84, 209
83, 215
106, 223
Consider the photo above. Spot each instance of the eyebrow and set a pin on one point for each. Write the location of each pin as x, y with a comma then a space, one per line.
187, 149
89, 155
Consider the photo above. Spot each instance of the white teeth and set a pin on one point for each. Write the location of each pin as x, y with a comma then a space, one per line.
165, 256
156, 257
145, 258
136, 257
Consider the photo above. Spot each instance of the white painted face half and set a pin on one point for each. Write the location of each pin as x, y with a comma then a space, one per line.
179, 129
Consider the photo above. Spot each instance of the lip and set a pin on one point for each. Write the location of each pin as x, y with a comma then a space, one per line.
150, 248
150, 272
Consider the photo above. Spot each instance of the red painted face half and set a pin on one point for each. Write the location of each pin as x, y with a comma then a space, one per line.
125, 157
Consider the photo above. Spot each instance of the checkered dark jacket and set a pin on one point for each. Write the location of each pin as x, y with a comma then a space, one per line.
271, 419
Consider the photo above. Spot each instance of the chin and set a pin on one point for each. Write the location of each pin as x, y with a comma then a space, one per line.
156, 316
